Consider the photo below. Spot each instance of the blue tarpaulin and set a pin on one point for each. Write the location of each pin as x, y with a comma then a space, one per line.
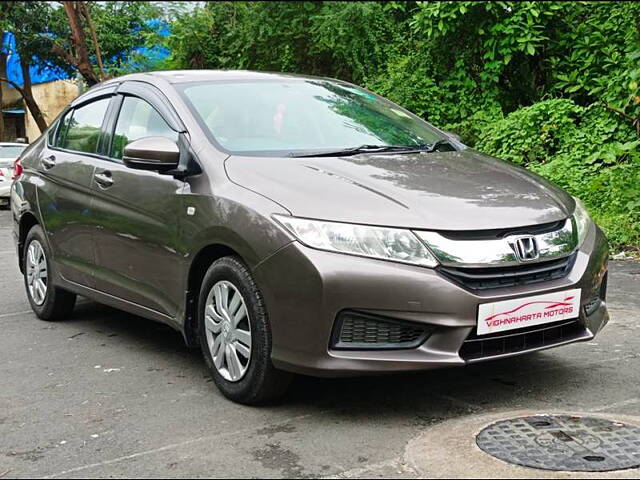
48, 73
141, 57
148, 57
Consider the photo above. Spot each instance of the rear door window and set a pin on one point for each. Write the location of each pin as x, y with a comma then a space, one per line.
54, 131
82, 127
59, 133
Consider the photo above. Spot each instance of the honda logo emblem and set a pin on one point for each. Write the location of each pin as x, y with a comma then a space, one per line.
525, 248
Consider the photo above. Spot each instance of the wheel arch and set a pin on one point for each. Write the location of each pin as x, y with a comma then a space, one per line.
197, 270
27, 221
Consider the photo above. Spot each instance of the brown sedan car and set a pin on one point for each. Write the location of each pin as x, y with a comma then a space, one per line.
297, 224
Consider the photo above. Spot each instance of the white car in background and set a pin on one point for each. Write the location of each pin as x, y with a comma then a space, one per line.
8, 154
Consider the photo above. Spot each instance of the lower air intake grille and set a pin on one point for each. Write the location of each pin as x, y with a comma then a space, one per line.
359, 331
513, 341
484, 278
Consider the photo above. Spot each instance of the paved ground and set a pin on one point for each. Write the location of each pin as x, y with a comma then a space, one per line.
106, 394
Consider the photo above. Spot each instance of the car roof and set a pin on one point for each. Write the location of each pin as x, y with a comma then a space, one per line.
172, 77
183, 76
12, 144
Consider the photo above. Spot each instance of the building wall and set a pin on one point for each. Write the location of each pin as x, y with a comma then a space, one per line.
9, 95
52, 97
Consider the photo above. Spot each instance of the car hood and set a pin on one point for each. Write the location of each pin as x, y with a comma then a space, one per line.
461, 190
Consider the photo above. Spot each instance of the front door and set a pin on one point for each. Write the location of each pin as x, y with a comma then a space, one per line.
137, 214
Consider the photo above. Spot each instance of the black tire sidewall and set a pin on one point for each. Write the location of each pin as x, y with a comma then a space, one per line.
234, 271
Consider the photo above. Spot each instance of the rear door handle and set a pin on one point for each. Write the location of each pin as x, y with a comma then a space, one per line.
49, 162
104, 179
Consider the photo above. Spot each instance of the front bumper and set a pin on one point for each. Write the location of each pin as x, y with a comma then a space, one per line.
305, 289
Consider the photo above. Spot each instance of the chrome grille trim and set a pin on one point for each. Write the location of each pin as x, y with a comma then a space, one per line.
498, 251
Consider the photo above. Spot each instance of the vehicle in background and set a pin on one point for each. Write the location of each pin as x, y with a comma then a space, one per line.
9, 152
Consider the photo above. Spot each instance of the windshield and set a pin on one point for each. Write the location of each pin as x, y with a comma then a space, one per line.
299, 116
11, 151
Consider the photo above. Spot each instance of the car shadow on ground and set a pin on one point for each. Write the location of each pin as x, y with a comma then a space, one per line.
129, 328
416, 398
438, 394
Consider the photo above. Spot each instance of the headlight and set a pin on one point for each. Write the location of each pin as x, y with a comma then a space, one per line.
582, 219
376, 242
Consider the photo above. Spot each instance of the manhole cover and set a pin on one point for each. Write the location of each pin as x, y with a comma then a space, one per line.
563, 442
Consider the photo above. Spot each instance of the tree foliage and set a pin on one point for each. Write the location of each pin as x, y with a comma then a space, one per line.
29, 22
119, 28
48, 35
553, 86
345, 39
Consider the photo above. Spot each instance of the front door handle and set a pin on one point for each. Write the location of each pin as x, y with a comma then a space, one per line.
103, 179
49, 162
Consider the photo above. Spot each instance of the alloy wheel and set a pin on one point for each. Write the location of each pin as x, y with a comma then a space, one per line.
228, 331
36, 270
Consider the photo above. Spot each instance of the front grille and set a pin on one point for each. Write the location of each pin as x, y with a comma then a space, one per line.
513, 341
484, 278
502, 232
357, 331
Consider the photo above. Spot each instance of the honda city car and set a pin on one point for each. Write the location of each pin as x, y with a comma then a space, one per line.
291, 224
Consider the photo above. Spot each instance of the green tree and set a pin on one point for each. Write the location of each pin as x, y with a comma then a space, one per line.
28, 21
46, 35
553, 86
346, 39
87, 35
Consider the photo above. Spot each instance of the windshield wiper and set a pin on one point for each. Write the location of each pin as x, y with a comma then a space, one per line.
354, 151
429, 147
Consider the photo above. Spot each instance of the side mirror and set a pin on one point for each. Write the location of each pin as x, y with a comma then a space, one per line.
152, 153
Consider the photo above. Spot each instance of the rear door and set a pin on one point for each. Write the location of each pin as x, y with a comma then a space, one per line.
65, 195
136, 242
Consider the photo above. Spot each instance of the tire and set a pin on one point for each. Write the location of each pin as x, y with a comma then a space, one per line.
253, 380
55, 304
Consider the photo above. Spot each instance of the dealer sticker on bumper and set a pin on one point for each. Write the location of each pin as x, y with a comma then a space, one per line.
528, 311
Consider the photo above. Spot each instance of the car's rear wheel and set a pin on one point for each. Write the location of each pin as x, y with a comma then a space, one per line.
235, 335
47, 301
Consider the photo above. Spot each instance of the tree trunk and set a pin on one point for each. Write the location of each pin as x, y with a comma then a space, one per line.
79, 39
27, 96
33, 107
87, 16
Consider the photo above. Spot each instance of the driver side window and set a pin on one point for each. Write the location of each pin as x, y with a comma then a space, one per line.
138, 119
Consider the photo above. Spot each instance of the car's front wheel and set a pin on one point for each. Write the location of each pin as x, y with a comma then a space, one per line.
47, 301
235, 335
